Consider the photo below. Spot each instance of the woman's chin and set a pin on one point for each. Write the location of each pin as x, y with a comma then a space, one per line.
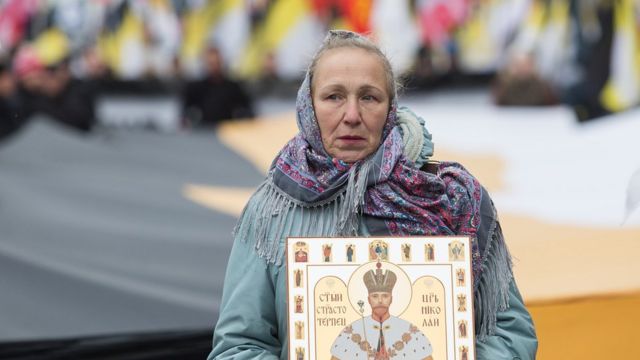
351, 157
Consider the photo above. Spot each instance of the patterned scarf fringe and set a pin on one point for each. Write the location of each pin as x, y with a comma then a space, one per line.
268, 216
491, 293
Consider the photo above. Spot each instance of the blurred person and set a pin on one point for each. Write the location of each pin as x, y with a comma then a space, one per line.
595, 40
46, 86
90, 65
520, 83
355, 143
11, 117
216, 97
564, 58
258, 10
268, 81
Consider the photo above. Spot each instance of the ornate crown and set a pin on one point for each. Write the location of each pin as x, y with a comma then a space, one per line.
379, 281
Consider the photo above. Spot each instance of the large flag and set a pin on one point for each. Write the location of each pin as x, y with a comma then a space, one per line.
622, 90
121, 43
203, 19
282, 19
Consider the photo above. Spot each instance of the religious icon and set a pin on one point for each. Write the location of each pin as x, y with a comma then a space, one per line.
460, 277
456, 251
298, 301
462, 328
326, 252
429, 253
378, 250
351, 253
344, 306
301, 251
297, 278
406, 252
370, 336
299, 330
462, 302
464, 353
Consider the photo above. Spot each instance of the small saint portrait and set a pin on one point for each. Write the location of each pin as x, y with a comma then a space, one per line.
298, 300
300, 353
460, 277
406, 252
464, 353
351, 253
429, 253
380, 334
299, 330
462, 328
301, 251
456, 251
378, 250
297, 278
462, 302
326, 252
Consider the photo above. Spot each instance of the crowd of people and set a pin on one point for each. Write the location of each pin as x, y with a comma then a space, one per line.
580, 53
41, 78
57, 57
30, 86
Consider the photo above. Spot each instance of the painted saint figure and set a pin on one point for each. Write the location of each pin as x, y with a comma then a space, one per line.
301, 252
462, 328
429, 252
462, 303
298, 278
464, 353
456, 251
326, 252
406, 252
299, 330
350, 253
381, 335
378, 250
460, 277
298, 301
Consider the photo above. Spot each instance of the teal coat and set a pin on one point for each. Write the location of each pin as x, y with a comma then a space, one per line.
253, 314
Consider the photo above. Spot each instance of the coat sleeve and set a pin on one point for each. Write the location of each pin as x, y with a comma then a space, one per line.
515, 336
247, 327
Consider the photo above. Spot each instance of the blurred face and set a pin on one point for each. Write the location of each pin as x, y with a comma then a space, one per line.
55, 80
351, 102
7, 83
380, 302
213, 61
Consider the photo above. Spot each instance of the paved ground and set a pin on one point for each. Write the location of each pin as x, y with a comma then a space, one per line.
96, 236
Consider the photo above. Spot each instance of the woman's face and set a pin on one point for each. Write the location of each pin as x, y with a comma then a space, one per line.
350, 101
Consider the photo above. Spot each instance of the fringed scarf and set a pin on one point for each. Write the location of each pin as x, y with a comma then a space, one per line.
387, 191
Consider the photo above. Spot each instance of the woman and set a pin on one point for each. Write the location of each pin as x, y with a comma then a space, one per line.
359, 167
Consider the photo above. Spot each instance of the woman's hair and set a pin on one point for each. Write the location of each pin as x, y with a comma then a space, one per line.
342, 38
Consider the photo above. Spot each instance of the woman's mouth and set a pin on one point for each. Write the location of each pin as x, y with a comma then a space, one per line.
351, 138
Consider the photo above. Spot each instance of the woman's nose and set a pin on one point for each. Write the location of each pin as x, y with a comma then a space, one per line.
352, 112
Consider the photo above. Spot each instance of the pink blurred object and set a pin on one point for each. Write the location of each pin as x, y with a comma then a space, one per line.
14, 15
439, 17
26, 62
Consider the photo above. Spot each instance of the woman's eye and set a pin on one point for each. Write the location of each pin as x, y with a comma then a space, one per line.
368, 98
333, 97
